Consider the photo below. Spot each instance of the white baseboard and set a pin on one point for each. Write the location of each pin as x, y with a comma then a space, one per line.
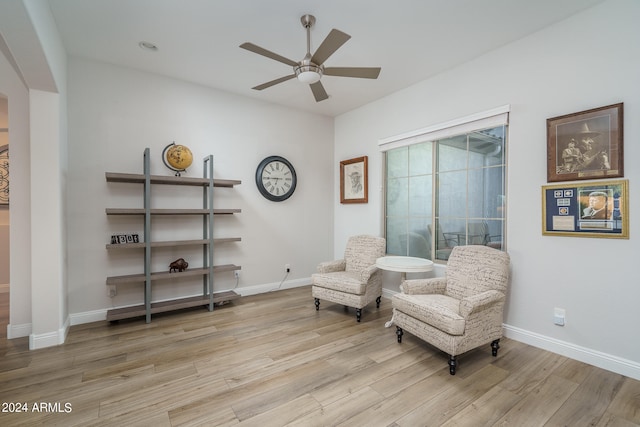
88, 317
602, 360
49, 339
270, 287
18, 331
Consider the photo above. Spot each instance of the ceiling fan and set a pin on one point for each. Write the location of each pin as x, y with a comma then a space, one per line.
311, 69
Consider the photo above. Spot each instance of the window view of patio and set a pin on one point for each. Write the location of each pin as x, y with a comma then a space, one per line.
445, 193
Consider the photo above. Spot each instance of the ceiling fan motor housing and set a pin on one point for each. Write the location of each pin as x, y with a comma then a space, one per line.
308, 73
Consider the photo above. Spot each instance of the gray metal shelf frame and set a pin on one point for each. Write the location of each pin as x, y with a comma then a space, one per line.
207, 182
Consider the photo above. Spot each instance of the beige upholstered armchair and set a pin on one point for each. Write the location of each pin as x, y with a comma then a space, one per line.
458, 312
353, 281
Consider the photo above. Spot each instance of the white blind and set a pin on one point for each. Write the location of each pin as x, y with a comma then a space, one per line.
484, 120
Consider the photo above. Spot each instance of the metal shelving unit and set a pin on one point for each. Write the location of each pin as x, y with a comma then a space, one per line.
208, 213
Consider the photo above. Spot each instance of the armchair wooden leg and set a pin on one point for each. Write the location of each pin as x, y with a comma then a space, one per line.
399, 333
453, 363
378, 301
495, 345
317, 304
358, 314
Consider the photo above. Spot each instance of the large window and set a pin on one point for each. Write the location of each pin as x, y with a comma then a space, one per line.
445, 189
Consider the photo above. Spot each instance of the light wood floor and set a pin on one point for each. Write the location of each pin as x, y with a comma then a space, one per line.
272, 360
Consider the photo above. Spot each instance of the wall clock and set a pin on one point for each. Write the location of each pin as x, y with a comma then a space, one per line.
276, 178
4, 175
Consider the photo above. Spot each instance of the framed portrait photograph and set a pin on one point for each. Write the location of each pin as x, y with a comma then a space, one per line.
586, 145
588, 209
353, 181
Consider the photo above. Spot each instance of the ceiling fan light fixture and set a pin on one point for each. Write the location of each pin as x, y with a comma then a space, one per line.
308, 73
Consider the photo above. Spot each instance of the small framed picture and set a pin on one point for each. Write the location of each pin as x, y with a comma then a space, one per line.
588, 209
586, 145
353, 181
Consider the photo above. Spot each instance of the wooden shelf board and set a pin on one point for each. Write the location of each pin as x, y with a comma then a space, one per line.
169, 180
140, 278
140, 211
140, 245
177, 304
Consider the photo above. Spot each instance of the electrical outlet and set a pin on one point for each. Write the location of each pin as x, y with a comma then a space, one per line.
558, 316
112, 292
236, 273
287, 268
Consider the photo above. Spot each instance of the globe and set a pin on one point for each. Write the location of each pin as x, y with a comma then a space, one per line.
179, 157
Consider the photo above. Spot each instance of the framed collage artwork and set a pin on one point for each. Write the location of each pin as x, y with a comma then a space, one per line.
586, 209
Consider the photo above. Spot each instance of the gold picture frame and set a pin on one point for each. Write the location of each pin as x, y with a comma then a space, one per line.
586, 209
354, 186
586, 145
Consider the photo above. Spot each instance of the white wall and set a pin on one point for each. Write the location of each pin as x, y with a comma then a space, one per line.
114, 113
587, 61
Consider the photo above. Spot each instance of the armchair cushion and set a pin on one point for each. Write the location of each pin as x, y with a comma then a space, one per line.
344, 281
439, 311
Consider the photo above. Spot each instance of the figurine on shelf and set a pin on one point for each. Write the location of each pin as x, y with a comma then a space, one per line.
178, 265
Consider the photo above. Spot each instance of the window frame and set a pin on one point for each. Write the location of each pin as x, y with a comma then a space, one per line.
466, 126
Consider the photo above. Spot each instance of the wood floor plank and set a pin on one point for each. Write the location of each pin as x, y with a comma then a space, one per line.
286, 386
486, 410
626, 403
610, 420
341, 410
537, 407
592, 397
284, 414
353, 381
411, 397
399, 380
449, 402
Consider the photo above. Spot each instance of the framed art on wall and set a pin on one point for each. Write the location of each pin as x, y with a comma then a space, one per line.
586, 145
587, 209
353, 181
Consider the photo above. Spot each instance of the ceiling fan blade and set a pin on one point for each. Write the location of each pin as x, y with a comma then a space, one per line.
330, 44
318, 91
358, 72
274, 82
264, 52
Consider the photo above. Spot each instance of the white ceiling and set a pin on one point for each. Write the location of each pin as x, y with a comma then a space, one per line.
198, 40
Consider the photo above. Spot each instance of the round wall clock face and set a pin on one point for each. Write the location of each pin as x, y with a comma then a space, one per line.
276, 178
